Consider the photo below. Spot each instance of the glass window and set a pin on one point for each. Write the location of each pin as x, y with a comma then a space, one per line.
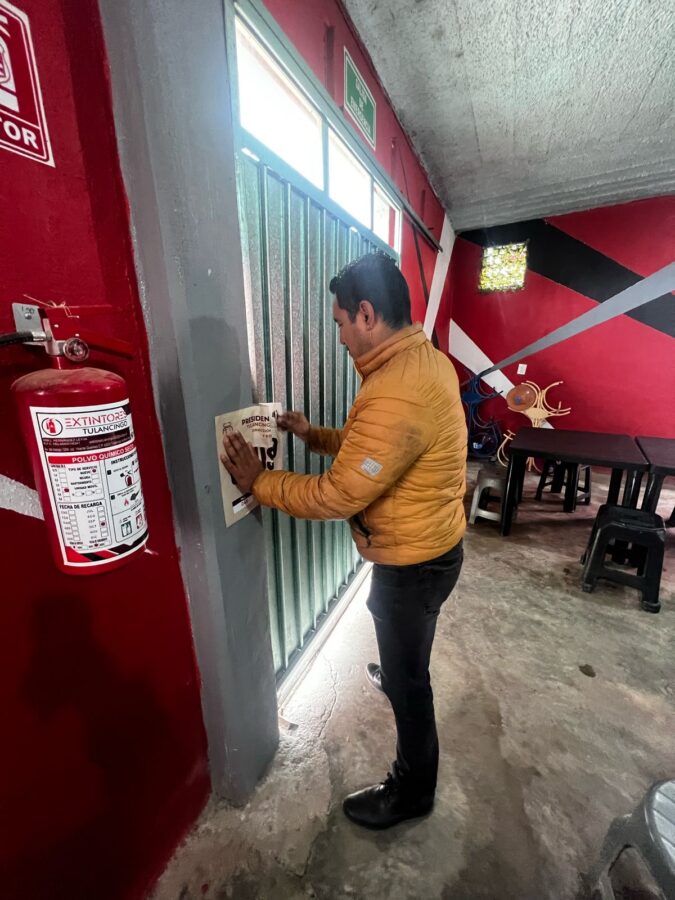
275, 111
503, 268
385, 218
349, 183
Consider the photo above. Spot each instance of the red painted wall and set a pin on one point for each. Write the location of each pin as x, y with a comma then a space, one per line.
640, 235
306, 23
103, 758
619, 376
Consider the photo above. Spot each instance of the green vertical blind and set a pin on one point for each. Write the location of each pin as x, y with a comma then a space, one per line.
292, 247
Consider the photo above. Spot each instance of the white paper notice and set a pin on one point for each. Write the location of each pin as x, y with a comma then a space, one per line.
258, 426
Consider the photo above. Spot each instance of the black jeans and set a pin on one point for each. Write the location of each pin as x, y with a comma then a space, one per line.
405, 602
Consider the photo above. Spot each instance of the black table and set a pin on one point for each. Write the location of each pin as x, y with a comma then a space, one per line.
660, 454
617, 452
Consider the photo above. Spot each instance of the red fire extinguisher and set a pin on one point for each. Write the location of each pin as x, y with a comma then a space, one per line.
77, 427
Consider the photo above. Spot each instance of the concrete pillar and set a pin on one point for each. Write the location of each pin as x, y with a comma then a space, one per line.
171, 94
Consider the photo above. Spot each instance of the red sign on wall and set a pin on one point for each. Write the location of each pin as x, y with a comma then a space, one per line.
23, 127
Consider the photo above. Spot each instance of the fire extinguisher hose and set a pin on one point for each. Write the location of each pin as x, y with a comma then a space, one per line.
16, 337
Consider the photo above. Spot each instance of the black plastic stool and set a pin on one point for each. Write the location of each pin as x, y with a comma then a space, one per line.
645, 534
556, 475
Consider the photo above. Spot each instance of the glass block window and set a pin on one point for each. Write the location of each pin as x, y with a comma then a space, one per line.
503, 268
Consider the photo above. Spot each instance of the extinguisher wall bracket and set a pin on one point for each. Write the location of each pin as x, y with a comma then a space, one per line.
27, 318
33, 319
64, 337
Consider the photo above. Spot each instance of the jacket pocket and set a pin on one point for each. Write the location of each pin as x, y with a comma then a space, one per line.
357, 522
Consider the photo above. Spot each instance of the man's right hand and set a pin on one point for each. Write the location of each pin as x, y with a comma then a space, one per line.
294, 422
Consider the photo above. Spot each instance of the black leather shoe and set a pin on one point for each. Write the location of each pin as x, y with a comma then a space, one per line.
384, 805
374, 675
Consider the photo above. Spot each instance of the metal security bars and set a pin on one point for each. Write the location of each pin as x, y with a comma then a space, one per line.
295, 237
292, 246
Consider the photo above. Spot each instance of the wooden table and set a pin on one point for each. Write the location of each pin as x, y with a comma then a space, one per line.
617, 452
660, 454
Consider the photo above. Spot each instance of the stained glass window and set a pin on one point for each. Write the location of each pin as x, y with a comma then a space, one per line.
503, 268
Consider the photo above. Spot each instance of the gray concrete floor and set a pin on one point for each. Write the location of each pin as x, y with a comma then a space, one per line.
536, 756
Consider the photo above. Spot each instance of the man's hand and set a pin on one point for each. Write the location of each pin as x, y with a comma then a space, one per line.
294, 422
241, 461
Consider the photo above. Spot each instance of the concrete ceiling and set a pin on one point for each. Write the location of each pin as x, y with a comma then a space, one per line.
525, 108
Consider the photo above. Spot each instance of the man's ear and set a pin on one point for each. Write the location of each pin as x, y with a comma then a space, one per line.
367, 310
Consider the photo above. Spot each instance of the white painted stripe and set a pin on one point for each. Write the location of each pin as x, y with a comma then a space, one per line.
440, 273
19, 498
470, 355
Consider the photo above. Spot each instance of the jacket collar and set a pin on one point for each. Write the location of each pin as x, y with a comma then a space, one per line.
405, 339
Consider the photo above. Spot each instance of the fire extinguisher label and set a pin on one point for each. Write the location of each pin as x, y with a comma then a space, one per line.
91, 469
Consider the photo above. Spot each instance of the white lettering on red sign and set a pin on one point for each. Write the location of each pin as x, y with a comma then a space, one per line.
90, 465
23, 127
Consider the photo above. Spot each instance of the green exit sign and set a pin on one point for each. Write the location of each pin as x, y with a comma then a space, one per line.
359, 102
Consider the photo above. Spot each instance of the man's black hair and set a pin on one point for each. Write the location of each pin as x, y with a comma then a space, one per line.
377, 278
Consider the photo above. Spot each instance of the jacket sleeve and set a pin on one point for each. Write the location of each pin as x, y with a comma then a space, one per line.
324, 441
386, 437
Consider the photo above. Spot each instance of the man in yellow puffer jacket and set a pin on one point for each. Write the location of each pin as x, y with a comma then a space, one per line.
399, 476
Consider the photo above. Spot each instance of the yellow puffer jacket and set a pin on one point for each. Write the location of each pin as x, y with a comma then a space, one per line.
400, 460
